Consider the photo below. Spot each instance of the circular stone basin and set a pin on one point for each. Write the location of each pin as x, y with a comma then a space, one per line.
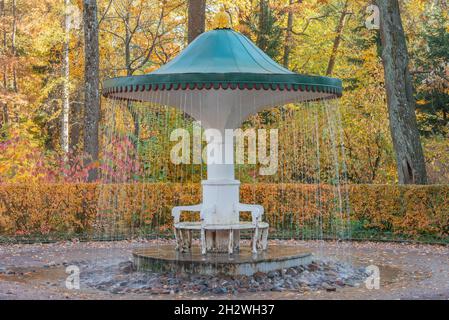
166, 259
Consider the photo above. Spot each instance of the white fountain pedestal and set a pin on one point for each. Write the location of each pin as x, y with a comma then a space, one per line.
220, 223
221, 197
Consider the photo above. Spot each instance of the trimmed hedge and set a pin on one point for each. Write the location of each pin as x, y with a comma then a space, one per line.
45, 209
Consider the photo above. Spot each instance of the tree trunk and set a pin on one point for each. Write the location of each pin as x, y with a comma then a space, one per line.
91, 94
13, 45
5, 114
76, 124
66, 82
5, 47
196, 19
288, 35
262, 34
401, 104
337, 40
129, 71
4, 76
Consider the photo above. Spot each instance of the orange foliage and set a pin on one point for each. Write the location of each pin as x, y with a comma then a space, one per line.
86, 208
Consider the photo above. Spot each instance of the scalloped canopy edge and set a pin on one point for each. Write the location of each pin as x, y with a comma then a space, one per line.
233, 81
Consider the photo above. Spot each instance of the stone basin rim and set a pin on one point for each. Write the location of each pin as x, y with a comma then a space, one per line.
147, 253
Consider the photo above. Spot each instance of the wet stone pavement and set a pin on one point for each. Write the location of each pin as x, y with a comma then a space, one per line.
40, 271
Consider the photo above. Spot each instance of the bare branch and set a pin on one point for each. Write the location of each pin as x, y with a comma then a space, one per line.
105, 12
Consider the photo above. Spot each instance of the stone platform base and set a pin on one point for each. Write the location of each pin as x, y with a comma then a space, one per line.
166, 259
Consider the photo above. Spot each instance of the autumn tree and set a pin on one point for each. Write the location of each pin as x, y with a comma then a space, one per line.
338, 37
141, 40
3, 104
66, 80
401, 103
431, 74
91, 93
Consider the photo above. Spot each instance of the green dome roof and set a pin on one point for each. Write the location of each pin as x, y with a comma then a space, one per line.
222, 59
222, 51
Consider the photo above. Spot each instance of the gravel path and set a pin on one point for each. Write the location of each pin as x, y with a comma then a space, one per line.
38, 271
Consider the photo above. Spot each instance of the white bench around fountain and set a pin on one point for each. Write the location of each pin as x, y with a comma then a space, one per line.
220, 224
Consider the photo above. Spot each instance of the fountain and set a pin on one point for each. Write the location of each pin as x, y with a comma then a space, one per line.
221, 79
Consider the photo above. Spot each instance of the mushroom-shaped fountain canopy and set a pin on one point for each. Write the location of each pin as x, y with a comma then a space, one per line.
220, 79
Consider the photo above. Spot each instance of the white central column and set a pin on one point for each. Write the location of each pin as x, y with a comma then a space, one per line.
220, 171
221, 190
220, 155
